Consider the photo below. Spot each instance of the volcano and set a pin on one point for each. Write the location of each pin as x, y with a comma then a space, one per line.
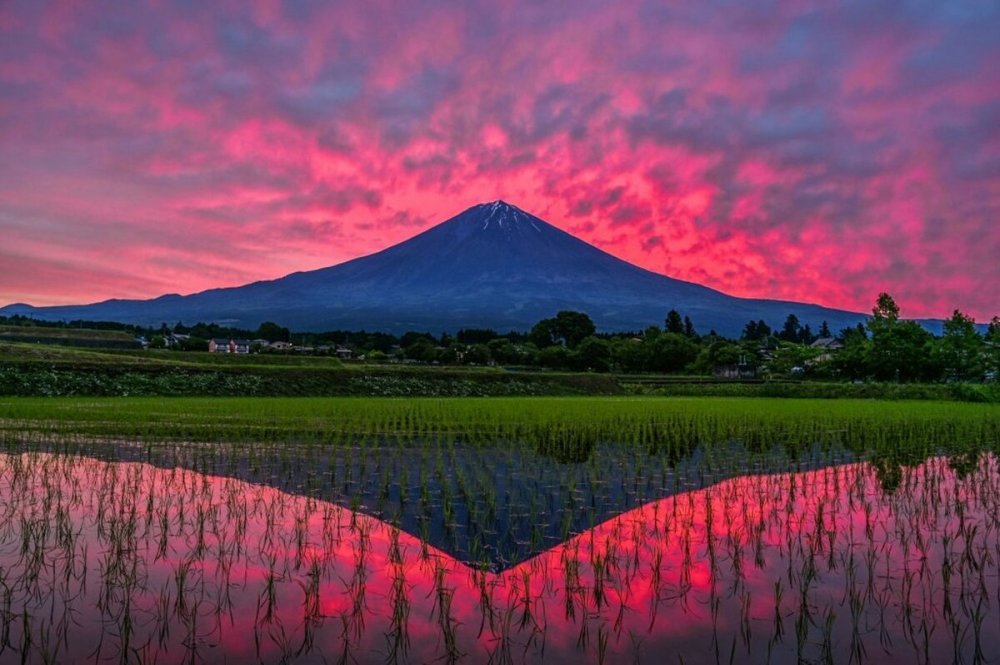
491, 266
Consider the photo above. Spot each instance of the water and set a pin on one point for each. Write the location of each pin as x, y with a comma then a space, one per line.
840, 561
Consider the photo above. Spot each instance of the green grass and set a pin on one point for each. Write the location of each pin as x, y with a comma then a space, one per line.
43, 370
961, 392
50, 370
64, 333
563, 426
70, 357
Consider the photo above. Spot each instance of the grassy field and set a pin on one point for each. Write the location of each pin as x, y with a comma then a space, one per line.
50, 370
11, 332
559, 424
68, 337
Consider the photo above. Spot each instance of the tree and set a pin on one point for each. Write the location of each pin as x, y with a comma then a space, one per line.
790, 356
824, 330
672, 352
717, 352
504, 352
593, 354
573, 327
476, 335
689, 328
756, 330
272, 332
477, 354
674, 322
556, 357
628, 354
567, 328
899, 350
961, 347
542, 333
412, 337
992, 344
886, 308
421, 349
790, 331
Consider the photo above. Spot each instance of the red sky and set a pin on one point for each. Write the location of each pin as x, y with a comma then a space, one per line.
819, 152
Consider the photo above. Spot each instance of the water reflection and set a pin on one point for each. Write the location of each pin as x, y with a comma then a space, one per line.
489, 506
125, 561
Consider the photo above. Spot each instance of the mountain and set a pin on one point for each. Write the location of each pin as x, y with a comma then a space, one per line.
493, 266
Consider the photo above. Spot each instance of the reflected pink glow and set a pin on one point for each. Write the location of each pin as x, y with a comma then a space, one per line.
224, 567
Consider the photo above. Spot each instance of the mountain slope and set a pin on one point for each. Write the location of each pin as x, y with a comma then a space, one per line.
493, 265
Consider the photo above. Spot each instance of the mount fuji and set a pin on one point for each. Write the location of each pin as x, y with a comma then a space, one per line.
491, 266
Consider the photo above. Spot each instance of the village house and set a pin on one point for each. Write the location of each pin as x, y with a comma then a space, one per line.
173, 340
738, 371
828, 344
222, 345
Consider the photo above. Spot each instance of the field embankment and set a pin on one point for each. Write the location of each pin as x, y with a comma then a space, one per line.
34, 370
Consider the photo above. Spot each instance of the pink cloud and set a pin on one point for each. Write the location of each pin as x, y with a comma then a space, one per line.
821, 155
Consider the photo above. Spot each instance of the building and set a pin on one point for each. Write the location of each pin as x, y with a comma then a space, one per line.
738, 371
828, 344
222, 345
175, 340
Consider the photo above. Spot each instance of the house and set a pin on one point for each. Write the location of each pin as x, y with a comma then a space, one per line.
222, 345
344, 353
281, 346
739, 371
827, 343
174, 340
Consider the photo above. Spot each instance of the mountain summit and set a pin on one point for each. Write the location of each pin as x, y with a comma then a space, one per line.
493, 265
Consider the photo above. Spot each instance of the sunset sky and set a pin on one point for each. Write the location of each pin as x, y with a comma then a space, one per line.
818, 152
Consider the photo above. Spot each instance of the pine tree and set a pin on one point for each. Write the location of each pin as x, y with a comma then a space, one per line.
790, 331
689, 328
674, 324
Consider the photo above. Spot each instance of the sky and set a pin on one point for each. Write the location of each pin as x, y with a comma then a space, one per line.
820, 152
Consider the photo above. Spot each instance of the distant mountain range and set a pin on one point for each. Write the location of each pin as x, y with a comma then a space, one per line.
492, 266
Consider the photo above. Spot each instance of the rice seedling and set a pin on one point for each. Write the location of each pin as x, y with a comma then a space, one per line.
410, 531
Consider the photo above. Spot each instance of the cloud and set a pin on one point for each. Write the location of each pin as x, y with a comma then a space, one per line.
823, 152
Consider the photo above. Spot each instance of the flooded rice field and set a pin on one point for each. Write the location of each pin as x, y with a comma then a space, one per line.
119, 551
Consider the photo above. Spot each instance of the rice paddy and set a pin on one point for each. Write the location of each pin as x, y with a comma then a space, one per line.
503, 531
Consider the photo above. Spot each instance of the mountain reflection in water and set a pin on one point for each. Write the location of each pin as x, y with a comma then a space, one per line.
490, 506
103, 560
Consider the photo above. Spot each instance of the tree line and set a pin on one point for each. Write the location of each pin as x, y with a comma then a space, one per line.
884, 348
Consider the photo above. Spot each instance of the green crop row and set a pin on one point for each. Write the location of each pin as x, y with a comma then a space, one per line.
566, 427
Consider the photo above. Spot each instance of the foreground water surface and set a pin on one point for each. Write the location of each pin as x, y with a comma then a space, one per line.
831, 560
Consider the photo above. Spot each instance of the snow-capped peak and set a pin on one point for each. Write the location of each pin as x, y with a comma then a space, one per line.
503, 215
